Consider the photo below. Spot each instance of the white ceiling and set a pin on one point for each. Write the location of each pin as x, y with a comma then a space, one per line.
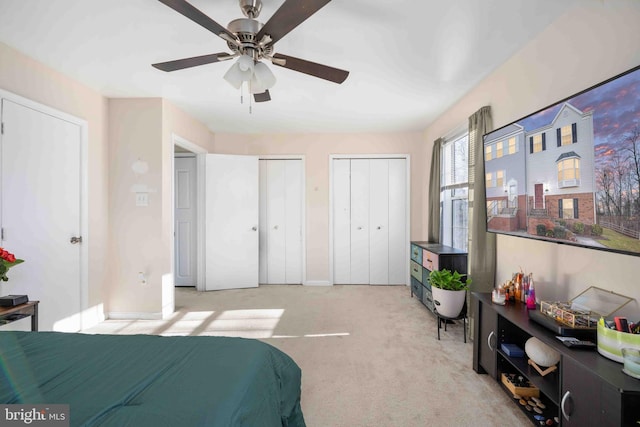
408, 60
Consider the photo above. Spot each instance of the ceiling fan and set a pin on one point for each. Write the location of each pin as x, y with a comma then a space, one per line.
251, 42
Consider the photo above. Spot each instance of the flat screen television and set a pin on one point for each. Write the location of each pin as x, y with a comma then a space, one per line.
570, 173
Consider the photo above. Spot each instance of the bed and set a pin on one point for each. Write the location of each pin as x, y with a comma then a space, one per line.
147, 380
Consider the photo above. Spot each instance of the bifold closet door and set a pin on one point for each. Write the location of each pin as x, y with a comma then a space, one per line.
379, 217
341, 221
360, 196
397, 222
387, 218
369, 221
281, 221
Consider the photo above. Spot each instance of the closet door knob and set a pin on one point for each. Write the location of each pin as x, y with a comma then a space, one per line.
275, 227
359, 228
379, 227
254, 228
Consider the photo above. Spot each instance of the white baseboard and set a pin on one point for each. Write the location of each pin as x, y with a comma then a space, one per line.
318, 283
120, 315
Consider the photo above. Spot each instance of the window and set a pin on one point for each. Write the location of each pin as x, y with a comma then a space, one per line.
569, 173
487, 152
499, 149
494, 179
499, 178
537, 143
454, 192
567, 135
489, 180
568, 208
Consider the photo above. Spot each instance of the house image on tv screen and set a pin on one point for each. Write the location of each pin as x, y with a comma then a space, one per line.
542, 181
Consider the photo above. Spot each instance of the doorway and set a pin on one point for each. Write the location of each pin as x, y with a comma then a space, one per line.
185, 218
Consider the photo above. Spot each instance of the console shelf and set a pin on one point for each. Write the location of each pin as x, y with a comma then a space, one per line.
586, 389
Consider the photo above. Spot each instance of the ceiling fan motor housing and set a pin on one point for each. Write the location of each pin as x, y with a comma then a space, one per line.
246, 29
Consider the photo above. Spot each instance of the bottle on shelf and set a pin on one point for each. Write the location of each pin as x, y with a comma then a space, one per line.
531, 298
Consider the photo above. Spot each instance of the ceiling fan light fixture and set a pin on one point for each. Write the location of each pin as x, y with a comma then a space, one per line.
235, 76
255, 86
264, 75
245, 62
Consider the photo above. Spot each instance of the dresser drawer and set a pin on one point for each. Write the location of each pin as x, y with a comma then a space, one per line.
429, 260
416, 253
416, 271
416, 289
427, 299
425, 278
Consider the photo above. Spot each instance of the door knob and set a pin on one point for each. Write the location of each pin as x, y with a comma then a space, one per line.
275, 227
75, 240
359, 228
254, 228
379, 227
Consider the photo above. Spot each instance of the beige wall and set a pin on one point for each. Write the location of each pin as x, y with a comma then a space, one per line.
141, 237
28, 78
123, 239
590, 43
316, 148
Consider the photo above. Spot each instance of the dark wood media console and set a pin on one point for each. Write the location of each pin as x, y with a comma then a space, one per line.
586, 389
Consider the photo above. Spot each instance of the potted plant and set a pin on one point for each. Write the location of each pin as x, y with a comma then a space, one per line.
449, 290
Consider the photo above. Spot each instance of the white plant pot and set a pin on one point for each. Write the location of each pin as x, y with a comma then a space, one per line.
448, 303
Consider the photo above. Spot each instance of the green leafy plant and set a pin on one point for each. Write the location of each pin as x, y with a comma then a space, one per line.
578, 228
541, 229
448, 280
7, 260
596, 230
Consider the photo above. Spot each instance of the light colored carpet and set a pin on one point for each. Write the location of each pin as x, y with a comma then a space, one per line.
369, 354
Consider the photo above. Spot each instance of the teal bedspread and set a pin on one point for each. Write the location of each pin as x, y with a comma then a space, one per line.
146, 380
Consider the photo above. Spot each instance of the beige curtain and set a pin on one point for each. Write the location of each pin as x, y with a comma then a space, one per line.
482, 245
433, 229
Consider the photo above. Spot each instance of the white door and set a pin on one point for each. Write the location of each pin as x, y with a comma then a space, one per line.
398, 194
341, 170
231, 222
281, 221
41, 187
360, 195
379, 221
293, 218
369, 221
185, 221
275, 222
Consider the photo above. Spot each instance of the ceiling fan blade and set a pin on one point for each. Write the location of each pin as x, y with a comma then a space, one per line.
313, 69
262, 97
186, 9
291, 14
194, 61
